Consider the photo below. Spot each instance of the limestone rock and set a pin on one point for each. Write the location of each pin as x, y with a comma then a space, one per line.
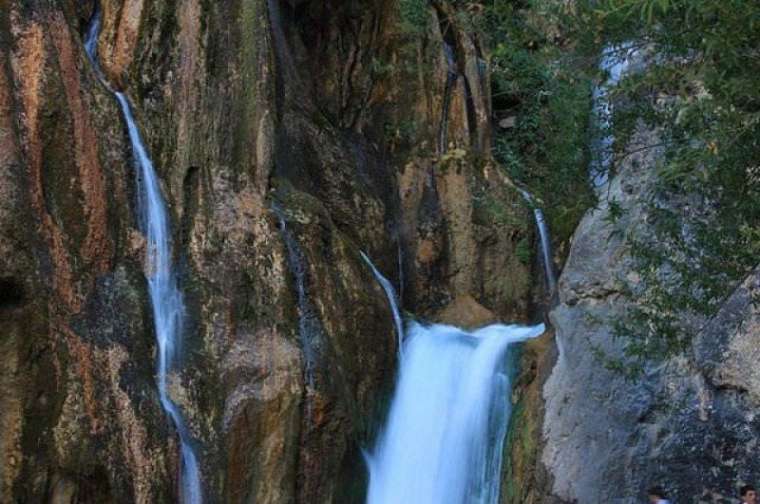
687, 424
727, 348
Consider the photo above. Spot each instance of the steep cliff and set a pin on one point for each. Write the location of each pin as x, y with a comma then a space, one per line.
328, 113
688, 423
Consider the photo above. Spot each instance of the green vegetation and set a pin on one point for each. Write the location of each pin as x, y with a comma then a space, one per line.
699, 91
415, 15
542, 97
524, 251
493, 208
695, 84
401, 133
545, 100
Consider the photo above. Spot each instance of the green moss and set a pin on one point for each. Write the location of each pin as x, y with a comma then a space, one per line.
415, 16
521, 445
492, 209
517, 435
524, 251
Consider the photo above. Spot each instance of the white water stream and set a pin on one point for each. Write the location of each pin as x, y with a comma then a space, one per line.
615, 62
390, 293
443, 440
166, 298
545, 239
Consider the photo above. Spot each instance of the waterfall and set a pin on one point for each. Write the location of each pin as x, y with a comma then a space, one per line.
544, 237
614, 61
166, 298
615, 65
445, 431
392, 300
309, 325
546, 249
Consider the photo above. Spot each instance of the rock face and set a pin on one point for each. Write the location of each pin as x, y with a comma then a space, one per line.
321, 109
689, 424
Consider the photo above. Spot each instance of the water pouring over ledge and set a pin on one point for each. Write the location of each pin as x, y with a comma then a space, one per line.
615, 62
443, 439
166, 298
543, 234
390, 293
545, 239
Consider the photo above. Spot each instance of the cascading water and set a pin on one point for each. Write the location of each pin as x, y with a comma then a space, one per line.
544, 237
392, 300
546, 251
614, 62
166, 298
309, 327
444, 436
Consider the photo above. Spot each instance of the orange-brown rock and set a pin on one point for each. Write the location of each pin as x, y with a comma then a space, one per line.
467, 313
288, 358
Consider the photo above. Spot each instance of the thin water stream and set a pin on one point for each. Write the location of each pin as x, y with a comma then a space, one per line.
390, 293
165, 296
545, 238
614, 62
309, 327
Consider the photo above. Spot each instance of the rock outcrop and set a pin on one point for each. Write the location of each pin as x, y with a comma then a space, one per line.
688, 423
320, 109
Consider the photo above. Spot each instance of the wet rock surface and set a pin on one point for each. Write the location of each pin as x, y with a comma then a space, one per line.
242, 106
333, 115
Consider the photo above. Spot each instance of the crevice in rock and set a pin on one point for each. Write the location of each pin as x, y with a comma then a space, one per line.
12, 293
452, 75
190, 190
92, 487
456, 62
729, 387
472, 117
285, 74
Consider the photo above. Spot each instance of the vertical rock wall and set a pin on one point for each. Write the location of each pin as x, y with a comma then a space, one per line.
687, 423
326, 109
